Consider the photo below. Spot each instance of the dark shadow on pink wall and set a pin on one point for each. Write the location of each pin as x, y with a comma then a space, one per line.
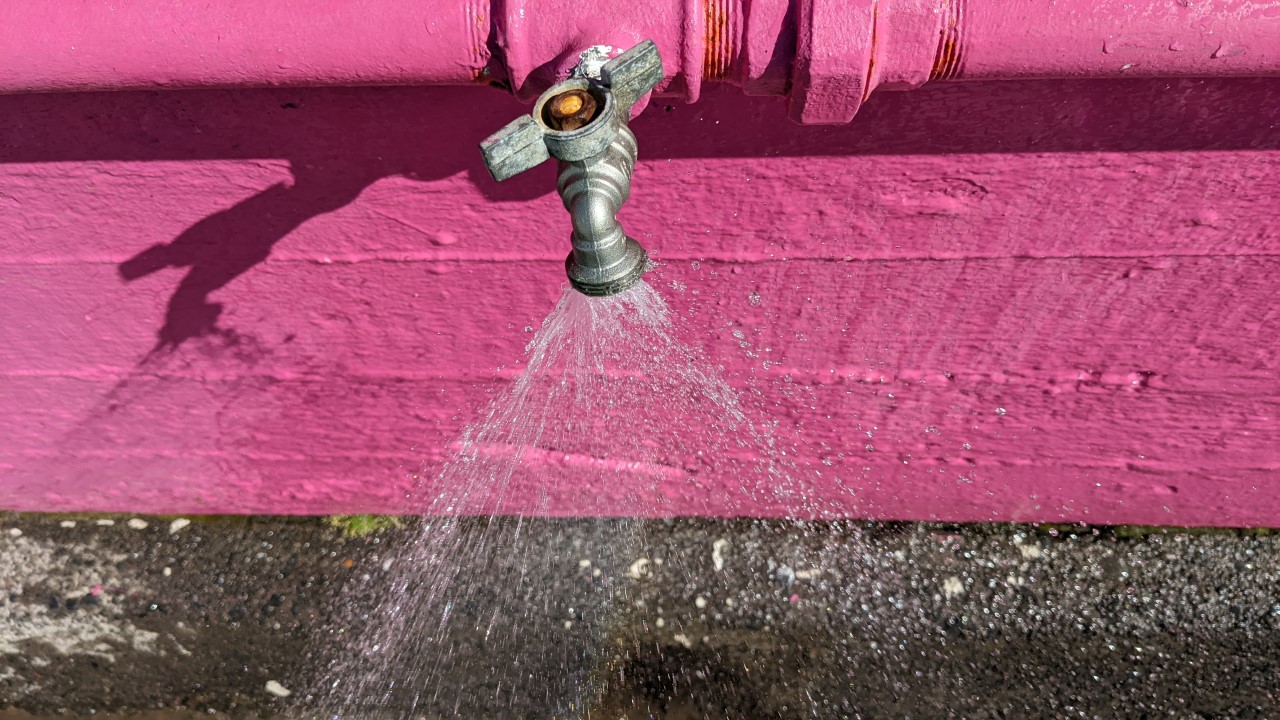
333, 158
340, 140
227, 244
432, 132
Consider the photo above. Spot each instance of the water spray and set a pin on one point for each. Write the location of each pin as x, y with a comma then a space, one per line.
582, 123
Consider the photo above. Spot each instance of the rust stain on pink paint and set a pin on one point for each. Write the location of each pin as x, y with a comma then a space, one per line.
719, 39
870, 82
947, 63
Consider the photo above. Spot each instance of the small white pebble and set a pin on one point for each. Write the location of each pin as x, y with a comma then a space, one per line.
952, 587
137, 523
595, 573
700, 602
104, 522
568, 624
386, 564
717, 553
178, 524
638, 569
15, 532
683, 640
67, 523
1030, 552
660, 622
584, 563
277, 689
167, 572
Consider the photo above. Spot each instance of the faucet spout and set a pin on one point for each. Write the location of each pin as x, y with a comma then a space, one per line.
604, 261
582, 122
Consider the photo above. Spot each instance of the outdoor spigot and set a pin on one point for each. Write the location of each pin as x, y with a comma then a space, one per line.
582, 122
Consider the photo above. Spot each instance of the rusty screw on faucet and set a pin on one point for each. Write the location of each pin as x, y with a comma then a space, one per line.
570, 110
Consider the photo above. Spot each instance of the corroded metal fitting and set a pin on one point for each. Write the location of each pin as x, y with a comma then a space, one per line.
570, 110
582, 122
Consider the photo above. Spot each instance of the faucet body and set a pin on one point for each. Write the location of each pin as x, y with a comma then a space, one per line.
604, 261
597, 154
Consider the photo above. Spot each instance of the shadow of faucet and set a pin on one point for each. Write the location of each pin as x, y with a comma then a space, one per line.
335, 150
227, 244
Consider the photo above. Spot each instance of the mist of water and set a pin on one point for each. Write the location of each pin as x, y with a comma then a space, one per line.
611, 408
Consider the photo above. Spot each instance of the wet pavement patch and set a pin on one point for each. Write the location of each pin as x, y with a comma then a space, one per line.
262, 617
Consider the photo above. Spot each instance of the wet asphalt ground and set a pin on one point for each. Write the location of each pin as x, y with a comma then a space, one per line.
272, 617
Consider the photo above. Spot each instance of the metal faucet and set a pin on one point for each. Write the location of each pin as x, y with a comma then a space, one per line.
582, 122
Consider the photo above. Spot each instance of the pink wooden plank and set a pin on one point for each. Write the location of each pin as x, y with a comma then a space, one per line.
1106, 276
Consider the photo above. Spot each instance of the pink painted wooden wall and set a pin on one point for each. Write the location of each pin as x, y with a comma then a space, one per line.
1054, 300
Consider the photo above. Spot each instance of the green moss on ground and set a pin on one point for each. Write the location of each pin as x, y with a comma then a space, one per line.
355, 526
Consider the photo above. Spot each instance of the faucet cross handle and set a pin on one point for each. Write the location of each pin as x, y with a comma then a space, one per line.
532, 139
632, 75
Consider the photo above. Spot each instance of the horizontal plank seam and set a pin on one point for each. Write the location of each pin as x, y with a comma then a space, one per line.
548, 260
